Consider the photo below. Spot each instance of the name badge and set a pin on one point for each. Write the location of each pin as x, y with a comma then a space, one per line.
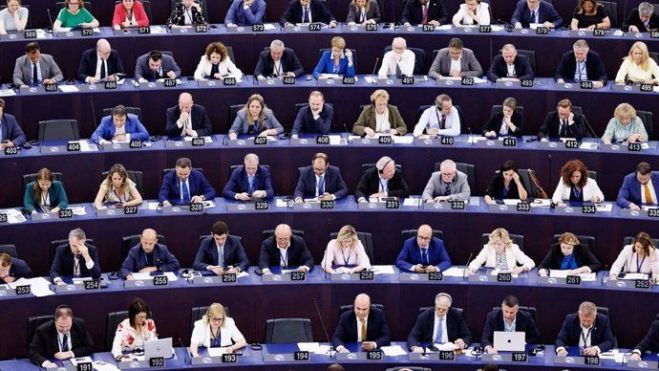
298, 276
653, 213
260, 141
588, 209
504, 277
229, 81
646, 88
366, 276
196, 207
599, 32
30, 34
484, 28
201, 28
110, 85
130, 210
348, 80
457, 205
523, 206
160, 281
91, 284
261, 205
87, 32
50, 88
520, 357
84, 366
542, 30
509, 142
327, 204
11, 151
198, 142
526, 83
634, 147
573, 280
144, 30
392, 204
642, 284
467, 81
323, 139
371, 27
407, 80
301, 356
134, 144
385, 139
571, 144
157, 362
587, 85
289, 80
375, 355
447, 355
592, 360
3, 218
258, 28
229, 278
435, 276
169, 83
428, 28
23, 290
229, 358
315, 27
65, 213
447, 141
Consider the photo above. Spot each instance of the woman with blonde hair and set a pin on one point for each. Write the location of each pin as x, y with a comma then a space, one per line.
216, 330
117, 188
336, 61
255, 119
637, 67
625, 126
363, 12
569, 254
345, 251
502, 254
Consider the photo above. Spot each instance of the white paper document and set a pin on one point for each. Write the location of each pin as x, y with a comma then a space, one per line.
634, 276
78, 209
39, 286
310, 347
393, 351
68, 88
413, 202
207, 139
216, 352
147, 276
13, 216
556, 273
102, 366
7, 92
335, 140
383, 269
281, 203
454, 272
76, 361
445, 347
494, 272
406, 139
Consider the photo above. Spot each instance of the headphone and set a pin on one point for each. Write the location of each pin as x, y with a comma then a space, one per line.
381, 168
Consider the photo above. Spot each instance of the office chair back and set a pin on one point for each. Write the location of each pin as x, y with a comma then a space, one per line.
288, 330
137, 111
58, 130
9, 249
111, 322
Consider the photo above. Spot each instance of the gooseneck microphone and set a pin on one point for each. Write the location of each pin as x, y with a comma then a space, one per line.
322, 322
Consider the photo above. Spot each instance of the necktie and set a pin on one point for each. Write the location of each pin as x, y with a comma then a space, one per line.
533, 16
447, 189
321, 185
648, 194
425, 14
442, 124
215, 68
581, 68
65, 343
424, 256
220, 256
104, 71
563, 131
250, 180
362, 16
363, 330
76, 266
440, 331
399, 72
305, 15
185, 191
35, 74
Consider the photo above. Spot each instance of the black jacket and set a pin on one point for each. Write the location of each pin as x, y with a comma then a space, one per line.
370, 183
44, 344
552, 124
582, 256
594, 67
422, 332
289, 63
494, 322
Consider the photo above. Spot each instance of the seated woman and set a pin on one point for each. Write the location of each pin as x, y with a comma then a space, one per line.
590, 15
363, 12
117, 189
638, 257
575, 186
638, 67
45, 194
505, 123
216, 330
13, 17
472, 12
129, 13
502, 254
625, 126
568, 254
186, 13
215, 64
379, 117
134, 331
255, 119
506, 184
337, 61
74, 15
346, 252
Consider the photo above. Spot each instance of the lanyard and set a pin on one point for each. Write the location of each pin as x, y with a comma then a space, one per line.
639, 266
346, 261
585, 338
62, 344
283, 258
216, 339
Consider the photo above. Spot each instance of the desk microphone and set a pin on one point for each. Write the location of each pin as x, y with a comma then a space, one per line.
50, 19
464, 272
187, 352
501, 21
345, 127
322, 322
375, 66
590, 129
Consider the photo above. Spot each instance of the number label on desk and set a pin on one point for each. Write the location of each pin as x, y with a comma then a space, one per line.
87, 32
587, 85
385, 139
509, 142
484, 28
366, 276
642, 284
11, 150
196, 207
447, 355
289, 80
134, 144
198, 142
467, 81
229, 358
130, 210
428, 28
392, 204
315, 27
91, 284
258, 28
23, 290
348, 80
298, 276
504, 277
144, 30
301, 356
84, 366
571, 144
407, 80
599, 32
50, 88
573, 280
520, 357
457, 205
261, 205
110, 85
3, 218
30, 34
654, 34
229, 278
73, 146
542, 30
260, 141
169, 83
523, 206
588, 209
229, 81
201, 28
646, 88
327, 204
65, 213
526, 83
653, 213
447, 141
375, 355
435, 276
323, 139
634, 147
371, 27
157, 362
592, 360
160, 281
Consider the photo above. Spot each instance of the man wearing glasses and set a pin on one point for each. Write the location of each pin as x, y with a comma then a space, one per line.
423, 253
439, 325
447, 184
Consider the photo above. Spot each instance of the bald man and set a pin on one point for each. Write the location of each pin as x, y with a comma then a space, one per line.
510, 66
187, 119
363, 324
423, 253
285, 250
397, 62
100, 64
148, 256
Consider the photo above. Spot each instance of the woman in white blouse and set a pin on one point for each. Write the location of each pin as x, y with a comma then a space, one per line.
472, 12
345, 251
638, 67
216, 330
215, 64
638, 257
575, 185
134, 331
117, 189
501, 253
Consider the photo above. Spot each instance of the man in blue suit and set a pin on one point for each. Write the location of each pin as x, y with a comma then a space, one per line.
120, 126
320, 180
587, 329
307, 11
509, 65
245, 13
184, 185
423, 253
639, 188
508, 318
314, 118
249, 182
535, 11
148, 256
76, 259
439, 325
221, 253
372, 330
10, 133
12, 268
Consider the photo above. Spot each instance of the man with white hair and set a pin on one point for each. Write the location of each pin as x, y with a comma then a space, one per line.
399, 61
508, 65
249, 182
278, 61
100, 64
581, 64
285, 250
641, 19
382, 180
439, 325
447, 184
587, 329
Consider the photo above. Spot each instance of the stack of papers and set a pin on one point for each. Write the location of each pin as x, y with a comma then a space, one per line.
393, 351
281, 203
78, 209
454, 272
7, 92
564, 273
414, 202
406, 139
635, 276
383, 269
13, 216
39, 286
68, 88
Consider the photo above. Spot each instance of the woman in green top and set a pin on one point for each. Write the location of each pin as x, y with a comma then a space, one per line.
73, 15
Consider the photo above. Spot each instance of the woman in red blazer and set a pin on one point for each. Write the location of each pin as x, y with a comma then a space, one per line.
129, 13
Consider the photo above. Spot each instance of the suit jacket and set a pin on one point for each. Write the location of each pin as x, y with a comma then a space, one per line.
494, 124
651, 340
106, 129
289, 63
469, 65
239, 182
305, 123
370, 183
197, 183
600, 336
582, 256
234, 254
319, 13
334, 184
552, 124
200, 121
367, 118
63, 263
498, 69
178, 16
142, 69
633, 19
89, 60
56, 194
297, 255
45, 342
413, 12
422, 332
459, 188
631, 189
594, 67
120, 13
11, 130
136, 260
241, 125
373, 12
240, 16
326, 65
377, 329
494, 322
410, 255
19, 269
48, 66
546, 13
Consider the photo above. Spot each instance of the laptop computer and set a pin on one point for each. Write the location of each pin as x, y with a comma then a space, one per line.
510, 341
158, 348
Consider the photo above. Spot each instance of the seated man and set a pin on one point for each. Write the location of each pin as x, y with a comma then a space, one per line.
442, 119
535, 12
278, 62
649, 343
423, 253
587, 329
372, 330
249, 182
315, 118
100, 64
245, 13
61, 338
639, 188
35, 68
379, 117
508, 65
11, 133
455, 61
399, 61
148, 256
156, 65
320, 180
12, 268
221, 253
285, 250
187, 119
75, 259
447, 184
641, 19
581, 64
424, 12
120, 126
307, 11
184, 185
439, 325
563, 123
382, 180
510, 319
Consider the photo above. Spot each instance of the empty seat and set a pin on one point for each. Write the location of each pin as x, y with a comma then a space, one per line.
288, 330
58, 130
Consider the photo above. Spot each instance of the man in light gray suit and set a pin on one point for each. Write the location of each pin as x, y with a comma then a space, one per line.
156, 65
35, 68
447, 184
455, 61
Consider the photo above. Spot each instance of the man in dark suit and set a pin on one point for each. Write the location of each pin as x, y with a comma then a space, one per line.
249, 182
285, 250
587, 329
320, 180
372, 330
639, 188
307, 11
187, 119
35, 68
148, 256
12, 268
423, 253
100, 64
424, 12
278, 61
184, 185
11, 133
156, 65
77, 259
382, 180
535, 11
315, 118
439, 325
509, 318
563, 123
510, 66
649, 343
641, 19
581, 64
61, 338
221, 253
119, 126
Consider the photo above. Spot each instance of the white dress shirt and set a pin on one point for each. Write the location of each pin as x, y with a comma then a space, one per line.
390, 61
382, 124
101, 62
283, 255
431, 117
435, 329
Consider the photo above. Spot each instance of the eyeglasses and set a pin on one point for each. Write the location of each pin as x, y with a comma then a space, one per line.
220, 319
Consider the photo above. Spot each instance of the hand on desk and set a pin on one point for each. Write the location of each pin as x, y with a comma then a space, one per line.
427, 269
369, 345
244, 196
635, 357
591, 351
259, 194
490, 350
197, 199
518, 270
633, 206
440, 199
148, 269
64, 355
562, 352
6, 143
49, 364
490, 134
369, 132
